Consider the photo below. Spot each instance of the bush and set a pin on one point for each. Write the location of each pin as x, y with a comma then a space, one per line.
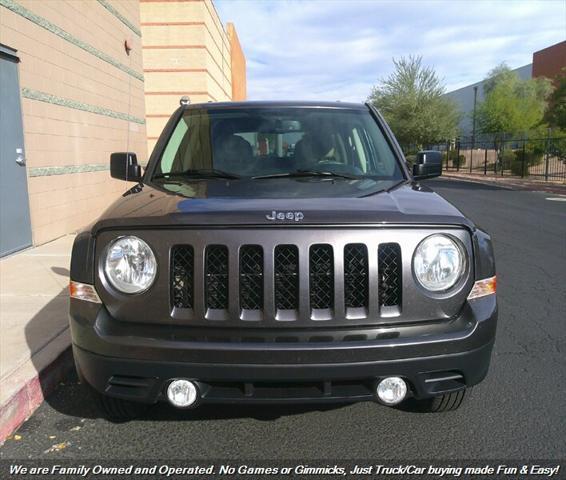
532, 156
558, 148
517, 164
455, 159
506, 159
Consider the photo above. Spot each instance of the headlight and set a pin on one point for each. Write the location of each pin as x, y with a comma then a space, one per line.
130, 265
438, 263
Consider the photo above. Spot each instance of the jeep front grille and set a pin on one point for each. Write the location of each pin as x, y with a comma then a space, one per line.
390, 267
182, 258
251, 277
356, 276
216, 274
287, 278
321, 276
352, 286
286, 271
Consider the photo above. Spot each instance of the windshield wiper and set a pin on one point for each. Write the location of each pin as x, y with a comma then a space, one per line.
308, 173
200, 173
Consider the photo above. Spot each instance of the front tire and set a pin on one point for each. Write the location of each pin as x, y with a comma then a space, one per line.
443, 403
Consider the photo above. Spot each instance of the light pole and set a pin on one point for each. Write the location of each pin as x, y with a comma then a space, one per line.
474, 117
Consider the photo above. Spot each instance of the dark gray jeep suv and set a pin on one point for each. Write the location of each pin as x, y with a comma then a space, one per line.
280, 252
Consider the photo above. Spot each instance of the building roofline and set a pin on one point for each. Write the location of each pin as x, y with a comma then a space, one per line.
550, 47
480, 82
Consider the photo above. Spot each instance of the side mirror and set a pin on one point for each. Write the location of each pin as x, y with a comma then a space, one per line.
124, 166
428, 165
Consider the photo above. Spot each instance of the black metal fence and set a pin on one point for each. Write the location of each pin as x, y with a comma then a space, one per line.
534, 158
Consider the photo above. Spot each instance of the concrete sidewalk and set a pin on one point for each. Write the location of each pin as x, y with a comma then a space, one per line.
34, 332
512, 183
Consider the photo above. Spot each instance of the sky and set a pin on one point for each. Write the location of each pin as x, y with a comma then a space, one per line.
339, 49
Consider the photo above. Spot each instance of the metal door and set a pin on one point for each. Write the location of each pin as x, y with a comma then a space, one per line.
15, 227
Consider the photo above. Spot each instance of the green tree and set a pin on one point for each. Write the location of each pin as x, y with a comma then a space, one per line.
412, 102
555, 115
511, 105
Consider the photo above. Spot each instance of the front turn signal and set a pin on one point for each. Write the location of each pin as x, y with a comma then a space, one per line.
484, 287
83, 291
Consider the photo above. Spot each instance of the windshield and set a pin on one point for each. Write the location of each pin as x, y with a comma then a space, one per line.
263, 143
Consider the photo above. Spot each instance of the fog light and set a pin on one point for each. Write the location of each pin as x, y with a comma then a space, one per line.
182, 393
391, 390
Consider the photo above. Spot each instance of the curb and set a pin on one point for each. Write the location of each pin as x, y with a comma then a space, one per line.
545, 188
473, 180
479, 181
21, 406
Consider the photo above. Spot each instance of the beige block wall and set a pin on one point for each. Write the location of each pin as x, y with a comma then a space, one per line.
239, 84
64, 137
186, 51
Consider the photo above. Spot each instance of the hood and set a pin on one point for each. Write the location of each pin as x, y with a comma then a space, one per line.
279, 202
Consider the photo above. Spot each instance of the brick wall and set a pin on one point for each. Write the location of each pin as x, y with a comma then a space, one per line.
186, 51
82, 98
550, 62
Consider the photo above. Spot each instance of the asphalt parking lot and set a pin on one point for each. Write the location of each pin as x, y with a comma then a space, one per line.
518, 412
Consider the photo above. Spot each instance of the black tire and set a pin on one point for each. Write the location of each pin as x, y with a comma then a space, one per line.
443, 403
117, 409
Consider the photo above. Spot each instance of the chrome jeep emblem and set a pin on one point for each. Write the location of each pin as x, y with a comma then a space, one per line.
275, 215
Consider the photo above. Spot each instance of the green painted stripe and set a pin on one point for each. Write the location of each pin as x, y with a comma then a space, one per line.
120, 17
66, 169
51, 27
85, 107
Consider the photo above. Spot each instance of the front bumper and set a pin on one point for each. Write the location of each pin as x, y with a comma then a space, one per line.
136, 362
